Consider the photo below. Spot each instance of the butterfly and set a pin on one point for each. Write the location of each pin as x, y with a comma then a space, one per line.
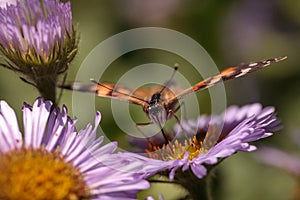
160, 102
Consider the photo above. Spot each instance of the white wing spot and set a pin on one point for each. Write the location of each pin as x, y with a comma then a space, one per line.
253, 64
243, 72
267, 62
215, 80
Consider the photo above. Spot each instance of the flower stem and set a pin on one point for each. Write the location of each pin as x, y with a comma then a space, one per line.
47, 88
197, 188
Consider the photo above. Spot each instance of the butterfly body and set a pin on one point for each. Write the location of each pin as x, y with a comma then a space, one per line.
157, 112
160, 103
158, 109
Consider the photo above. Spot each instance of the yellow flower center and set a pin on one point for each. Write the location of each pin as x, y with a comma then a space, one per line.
175, 150
39, 174
200, 143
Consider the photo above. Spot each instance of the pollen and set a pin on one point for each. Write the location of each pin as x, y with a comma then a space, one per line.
39, 174
175, 150
193, 146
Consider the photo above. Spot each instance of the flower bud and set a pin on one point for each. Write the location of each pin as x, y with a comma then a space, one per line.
38, 41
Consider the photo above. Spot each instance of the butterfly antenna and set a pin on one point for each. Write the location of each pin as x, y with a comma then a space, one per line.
176, 66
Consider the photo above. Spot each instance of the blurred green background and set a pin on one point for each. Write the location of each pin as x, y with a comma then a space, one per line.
231, 32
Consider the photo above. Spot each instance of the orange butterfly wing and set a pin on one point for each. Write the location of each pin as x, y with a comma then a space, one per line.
107, 90
227, 74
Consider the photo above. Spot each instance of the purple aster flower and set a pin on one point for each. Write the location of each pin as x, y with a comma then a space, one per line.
38, 41
52, 161
205, 142
4, 3
240, 126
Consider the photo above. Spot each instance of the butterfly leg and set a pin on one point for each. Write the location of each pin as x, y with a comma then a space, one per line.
172, 113
181, 105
